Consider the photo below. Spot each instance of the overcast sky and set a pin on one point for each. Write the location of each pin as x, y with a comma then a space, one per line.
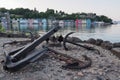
110, 8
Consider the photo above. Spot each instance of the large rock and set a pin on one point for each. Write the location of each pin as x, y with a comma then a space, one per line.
91, 40
107, 45
116, 44
74, 39
116, 51
99, 42
3, 34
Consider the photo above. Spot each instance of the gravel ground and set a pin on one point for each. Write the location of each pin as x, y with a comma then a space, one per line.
104, 66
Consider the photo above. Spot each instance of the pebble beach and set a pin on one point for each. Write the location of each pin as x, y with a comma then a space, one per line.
105, 66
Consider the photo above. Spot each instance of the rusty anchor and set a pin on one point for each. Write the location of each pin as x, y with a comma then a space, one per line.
19, 58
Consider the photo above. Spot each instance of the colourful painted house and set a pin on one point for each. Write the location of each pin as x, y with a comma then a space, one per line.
35, 24
44, 24
4, 22
61, 23
39, 22
15, 24
49, 22
72, 23
84, 22
78, 22
30, 24
69, 23
88, 23
23, 24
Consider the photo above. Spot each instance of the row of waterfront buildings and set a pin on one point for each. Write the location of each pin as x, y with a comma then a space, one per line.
37, 24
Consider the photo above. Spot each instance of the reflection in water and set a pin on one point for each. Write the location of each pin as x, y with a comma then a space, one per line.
110, 33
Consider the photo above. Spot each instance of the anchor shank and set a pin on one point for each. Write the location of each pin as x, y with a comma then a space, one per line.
35, 43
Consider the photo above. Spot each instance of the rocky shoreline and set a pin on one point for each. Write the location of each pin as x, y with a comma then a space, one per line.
113, 47
105, 66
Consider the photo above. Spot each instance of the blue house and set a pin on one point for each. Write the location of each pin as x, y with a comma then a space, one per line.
39, 24
4, 22
23, 24
44, 24
88, 23
35, 25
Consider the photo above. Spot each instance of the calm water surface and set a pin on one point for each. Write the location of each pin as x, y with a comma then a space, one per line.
109, 33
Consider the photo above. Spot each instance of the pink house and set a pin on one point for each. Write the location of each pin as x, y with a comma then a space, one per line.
30, 23
78, 22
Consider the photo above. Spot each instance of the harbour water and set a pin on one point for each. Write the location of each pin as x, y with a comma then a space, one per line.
107, 33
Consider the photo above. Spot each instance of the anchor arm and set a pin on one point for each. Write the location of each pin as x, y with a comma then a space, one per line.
15, 66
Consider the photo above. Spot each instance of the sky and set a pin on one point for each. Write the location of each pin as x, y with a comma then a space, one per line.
109, 8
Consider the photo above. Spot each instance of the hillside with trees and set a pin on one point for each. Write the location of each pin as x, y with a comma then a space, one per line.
51, 13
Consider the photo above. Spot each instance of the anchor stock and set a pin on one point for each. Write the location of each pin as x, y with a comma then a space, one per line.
35, 43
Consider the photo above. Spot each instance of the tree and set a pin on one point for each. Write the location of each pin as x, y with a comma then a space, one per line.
3, 10
42, 15
50, 13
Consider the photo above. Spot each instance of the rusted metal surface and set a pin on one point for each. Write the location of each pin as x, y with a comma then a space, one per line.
12, 66
35, 43
71, 62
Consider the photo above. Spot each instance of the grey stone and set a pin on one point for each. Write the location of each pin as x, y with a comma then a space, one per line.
75, 39
55, 74
76, 78
69, 74
99, 78
51, 69
116, 51
99, 41
116, 45
91, 40
2, 75
80, 74
107, 45
59, 70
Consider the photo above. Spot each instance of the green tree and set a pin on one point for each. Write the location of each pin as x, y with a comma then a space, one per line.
50, 13
3, 10
42, 15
